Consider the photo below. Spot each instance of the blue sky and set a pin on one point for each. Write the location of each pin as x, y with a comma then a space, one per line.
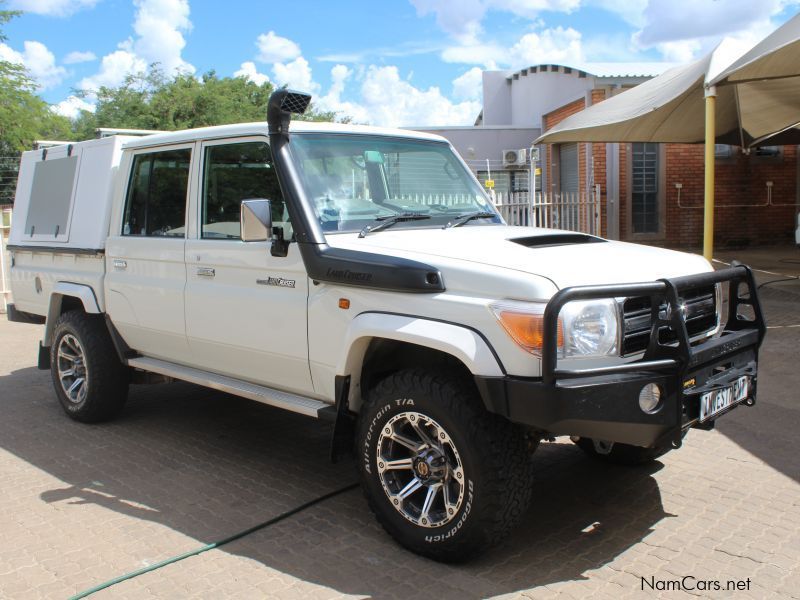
386, 62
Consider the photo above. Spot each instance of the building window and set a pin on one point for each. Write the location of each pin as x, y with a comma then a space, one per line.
644, 188
767, 151
723, 151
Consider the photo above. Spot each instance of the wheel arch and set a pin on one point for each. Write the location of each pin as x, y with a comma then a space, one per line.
410, 341
68, 296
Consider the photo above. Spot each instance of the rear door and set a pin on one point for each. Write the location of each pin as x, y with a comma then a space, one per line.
245, 309
145, 271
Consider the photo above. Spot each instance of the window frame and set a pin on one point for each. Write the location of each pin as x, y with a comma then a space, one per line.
661, 194
191, 146
200, 178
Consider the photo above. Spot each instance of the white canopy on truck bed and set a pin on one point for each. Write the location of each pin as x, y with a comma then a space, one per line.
63, 197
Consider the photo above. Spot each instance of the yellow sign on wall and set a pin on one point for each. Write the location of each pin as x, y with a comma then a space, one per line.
489, 183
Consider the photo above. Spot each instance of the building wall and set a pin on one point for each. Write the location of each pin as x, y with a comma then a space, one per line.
551, 163
742, 216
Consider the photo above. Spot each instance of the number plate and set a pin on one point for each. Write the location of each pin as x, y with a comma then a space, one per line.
713, 403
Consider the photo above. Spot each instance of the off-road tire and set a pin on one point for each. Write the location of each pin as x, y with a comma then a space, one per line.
106, 377
623, 454
495, 455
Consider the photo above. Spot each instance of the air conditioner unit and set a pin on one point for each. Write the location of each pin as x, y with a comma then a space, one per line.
514, 158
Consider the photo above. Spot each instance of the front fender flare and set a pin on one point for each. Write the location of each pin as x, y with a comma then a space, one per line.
463, 343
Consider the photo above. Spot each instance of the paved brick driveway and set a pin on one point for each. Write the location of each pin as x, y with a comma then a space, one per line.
185, 466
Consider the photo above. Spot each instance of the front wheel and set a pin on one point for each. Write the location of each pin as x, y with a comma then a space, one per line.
443, 476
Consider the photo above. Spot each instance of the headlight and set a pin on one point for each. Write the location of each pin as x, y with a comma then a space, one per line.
590, 328
586, 328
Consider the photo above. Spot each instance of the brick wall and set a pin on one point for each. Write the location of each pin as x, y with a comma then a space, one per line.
741, 217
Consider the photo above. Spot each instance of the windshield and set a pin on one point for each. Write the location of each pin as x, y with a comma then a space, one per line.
352, 180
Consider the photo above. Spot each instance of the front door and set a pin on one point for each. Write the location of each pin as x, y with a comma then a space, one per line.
245, 309
145, 271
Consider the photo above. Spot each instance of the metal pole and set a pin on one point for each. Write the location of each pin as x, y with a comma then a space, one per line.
708, 223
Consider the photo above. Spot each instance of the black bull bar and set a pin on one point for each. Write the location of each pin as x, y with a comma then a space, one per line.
602, 403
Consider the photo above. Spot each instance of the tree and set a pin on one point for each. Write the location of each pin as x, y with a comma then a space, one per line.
152, 100
24, 116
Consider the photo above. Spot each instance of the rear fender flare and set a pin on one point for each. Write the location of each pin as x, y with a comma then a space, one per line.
84, 293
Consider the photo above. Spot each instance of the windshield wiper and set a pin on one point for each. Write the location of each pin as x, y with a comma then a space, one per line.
462, 219
389, 220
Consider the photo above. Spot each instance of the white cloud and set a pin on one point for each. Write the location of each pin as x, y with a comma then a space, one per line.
631, 11
680, 51
276, 49
295, 74
388, 100
114, 68
52, 8
670, 20
469, 86
462, 18
559, 45
39, 62
76, 57
249, 71
72, 107
332, 101
159, 26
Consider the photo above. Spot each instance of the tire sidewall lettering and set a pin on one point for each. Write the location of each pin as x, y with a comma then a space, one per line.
369, 450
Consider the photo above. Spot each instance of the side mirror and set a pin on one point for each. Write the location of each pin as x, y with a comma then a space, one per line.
256, 220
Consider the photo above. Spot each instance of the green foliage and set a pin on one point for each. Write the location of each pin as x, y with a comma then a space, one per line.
24, 116
152, 100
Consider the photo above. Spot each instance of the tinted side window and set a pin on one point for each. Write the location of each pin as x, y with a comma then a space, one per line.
156, 202
236, 172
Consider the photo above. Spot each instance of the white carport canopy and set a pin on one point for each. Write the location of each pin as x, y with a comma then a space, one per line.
750, 101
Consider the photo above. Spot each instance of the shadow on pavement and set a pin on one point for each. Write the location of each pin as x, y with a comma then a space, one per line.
769, 429
209, 465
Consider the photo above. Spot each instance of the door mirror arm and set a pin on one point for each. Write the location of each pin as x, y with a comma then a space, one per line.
280, 247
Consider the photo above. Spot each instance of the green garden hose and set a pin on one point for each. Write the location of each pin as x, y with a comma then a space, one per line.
213, 545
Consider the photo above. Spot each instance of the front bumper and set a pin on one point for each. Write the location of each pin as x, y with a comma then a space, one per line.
603, 403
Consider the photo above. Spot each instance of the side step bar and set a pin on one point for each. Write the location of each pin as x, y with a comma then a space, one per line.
265, 395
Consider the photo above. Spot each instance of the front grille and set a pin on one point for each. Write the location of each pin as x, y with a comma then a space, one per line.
700, 315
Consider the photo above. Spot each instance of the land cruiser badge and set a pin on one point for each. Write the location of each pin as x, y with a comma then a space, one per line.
279, 281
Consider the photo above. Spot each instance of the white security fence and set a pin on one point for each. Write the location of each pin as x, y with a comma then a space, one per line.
571, 211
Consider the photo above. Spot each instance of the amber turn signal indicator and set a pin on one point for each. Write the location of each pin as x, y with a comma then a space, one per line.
344, 303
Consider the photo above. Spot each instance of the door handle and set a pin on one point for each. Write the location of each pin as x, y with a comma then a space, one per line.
205, 272
120, 264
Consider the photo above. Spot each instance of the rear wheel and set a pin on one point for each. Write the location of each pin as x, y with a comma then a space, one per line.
443, 476
90, 381
621, 454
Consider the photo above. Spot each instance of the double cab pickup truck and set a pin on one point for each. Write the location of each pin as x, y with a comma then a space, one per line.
363, 276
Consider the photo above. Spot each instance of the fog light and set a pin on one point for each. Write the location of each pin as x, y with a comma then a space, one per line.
650, 398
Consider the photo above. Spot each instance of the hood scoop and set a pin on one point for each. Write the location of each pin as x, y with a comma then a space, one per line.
556, 239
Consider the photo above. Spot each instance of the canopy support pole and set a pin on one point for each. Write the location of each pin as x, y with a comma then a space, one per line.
708, 217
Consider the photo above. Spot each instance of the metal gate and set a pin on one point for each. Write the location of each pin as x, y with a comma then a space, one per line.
574, 212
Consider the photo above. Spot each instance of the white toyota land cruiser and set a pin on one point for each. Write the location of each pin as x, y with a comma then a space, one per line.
361, 275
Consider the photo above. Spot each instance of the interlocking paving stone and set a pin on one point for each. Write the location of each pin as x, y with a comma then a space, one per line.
185, 466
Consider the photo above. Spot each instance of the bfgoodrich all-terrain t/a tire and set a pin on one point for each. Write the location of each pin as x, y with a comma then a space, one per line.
444, 477
90, 381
